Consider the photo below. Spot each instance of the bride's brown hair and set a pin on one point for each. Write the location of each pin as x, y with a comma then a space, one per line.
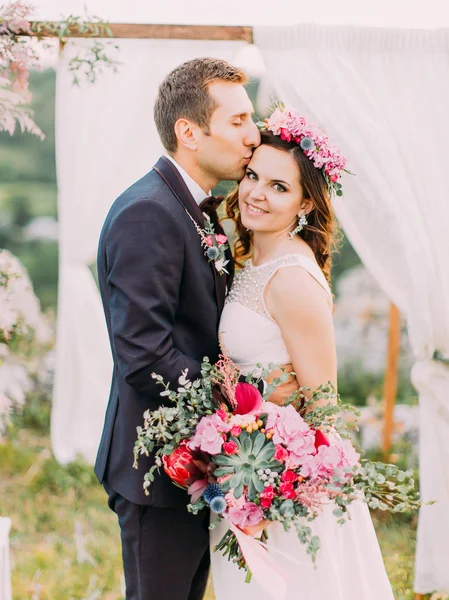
320, 233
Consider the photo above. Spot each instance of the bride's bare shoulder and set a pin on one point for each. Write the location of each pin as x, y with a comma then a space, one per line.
294, 290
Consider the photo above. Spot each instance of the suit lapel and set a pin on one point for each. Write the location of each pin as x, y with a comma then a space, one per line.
172, 177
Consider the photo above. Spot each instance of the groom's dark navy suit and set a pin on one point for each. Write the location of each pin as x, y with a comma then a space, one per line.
162, 301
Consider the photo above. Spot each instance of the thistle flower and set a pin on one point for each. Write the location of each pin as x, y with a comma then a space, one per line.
307, 143
212, 253
212, 491
218, 504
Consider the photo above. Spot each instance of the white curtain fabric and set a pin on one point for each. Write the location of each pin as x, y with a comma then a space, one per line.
5, 569
105, 140
383, 95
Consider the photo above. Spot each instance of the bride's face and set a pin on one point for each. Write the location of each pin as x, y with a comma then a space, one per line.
270, 193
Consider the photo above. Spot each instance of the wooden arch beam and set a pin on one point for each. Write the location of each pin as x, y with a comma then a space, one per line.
166, 32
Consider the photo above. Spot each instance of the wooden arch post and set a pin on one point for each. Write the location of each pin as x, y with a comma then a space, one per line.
391, 378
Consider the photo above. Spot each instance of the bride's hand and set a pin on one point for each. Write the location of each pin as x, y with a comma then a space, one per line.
284, 390
255, 529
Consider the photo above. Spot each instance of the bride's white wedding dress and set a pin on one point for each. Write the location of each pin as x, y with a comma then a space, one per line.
349, 564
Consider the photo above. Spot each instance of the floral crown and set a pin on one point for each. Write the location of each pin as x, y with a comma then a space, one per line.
292, 127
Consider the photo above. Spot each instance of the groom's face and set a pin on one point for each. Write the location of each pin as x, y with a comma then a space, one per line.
226, 149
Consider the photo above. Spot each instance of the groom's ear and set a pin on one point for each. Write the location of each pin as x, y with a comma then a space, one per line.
186, 133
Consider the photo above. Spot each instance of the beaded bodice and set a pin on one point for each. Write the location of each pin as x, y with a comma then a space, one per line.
249, 334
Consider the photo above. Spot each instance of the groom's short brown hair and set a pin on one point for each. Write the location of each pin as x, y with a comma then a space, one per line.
184, 94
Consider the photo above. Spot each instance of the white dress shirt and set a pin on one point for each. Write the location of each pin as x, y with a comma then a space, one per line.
196, 190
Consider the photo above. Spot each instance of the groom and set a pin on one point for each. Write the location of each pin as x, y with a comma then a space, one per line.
162, 300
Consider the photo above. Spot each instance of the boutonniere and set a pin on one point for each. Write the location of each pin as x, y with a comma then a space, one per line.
214, 244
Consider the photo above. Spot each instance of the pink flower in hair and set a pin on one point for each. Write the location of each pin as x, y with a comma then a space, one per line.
291, 126
277, 121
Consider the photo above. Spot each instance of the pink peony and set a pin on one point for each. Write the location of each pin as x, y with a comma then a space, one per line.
243, 516
208, 434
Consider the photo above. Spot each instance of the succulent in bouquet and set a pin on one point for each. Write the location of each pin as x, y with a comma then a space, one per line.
252, 461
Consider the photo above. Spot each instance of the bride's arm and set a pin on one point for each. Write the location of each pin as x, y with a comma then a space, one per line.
301, 308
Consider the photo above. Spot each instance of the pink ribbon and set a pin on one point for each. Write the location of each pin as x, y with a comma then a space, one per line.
268, 575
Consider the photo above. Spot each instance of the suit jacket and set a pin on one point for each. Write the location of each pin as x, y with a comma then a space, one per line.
162, 301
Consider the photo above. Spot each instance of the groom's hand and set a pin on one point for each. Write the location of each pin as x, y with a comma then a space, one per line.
284, 390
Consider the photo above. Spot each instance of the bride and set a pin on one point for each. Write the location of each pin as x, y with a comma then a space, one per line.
279, 310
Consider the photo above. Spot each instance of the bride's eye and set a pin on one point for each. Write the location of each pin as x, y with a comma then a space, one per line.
279, 188
251, 175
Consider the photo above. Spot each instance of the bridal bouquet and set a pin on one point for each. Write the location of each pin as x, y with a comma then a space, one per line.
250, 461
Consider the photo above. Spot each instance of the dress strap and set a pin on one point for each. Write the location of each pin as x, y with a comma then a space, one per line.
309, 265
249, 285
291, 260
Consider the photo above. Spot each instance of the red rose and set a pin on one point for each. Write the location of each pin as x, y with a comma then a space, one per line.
230, 448
179, 465
289, 477
280, 453
287, 491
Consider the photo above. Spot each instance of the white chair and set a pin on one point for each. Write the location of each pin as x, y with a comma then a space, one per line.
5, 570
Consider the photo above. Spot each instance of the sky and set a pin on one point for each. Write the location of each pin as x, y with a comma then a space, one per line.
384, 13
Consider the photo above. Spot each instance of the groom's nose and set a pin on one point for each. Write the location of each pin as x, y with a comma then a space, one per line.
253, 135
